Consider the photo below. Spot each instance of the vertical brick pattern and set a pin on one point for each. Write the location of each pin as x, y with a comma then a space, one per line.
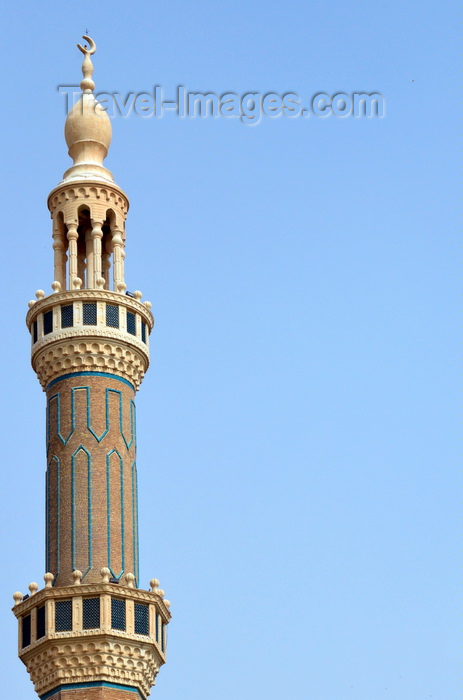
91, 479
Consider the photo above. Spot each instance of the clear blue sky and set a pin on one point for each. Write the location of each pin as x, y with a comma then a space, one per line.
297, 430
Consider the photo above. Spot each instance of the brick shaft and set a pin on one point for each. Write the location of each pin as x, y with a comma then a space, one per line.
91, 478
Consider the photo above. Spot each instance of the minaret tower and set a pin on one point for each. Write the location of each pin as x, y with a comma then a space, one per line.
91, 633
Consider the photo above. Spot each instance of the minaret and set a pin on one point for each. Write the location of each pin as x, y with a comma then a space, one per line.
91, 633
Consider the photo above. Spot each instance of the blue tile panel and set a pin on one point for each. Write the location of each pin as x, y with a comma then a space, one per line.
131, 323
63, 616
41, 622
26, 625
112, 316
47, 322
89, 313
141, 618
118, 614
67, 316
90, 613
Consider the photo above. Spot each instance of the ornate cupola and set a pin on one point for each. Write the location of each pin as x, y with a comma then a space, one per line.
91, 633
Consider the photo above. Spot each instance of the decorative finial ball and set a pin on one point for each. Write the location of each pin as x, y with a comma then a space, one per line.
56, 286
154, 583
130, 578
100, 283
105, 574
33, 587
31, 303
148, 304
77, 576
40, 294
77, 283
121, 287
160, 592
87, 84
48, 578
17, 597
167, 603
137, 295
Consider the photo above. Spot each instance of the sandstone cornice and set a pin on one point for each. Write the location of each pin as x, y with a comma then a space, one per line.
94, 355
89, 295
89, 335
104, 657
83, 589
93, 190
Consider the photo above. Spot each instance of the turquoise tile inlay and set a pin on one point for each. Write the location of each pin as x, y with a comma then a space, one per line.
89, 509
56, 461
47, 519
65, 439
128, 443
108, 505
90, 374
135, 521
57, 397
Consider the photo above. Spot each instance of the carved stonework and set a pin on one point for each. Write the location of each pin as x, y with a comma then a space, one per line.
100, 658
100, 335
67, 297
136, 594
68, 197
96, 355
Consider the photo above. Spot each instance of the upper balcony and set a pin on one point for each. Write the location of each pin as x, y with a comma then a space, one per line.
89, 329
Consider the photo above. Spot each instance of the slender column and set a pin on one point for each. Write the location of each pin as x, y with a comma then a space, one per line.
77, 613
50, 616
90, 258
118, 268
72, 238
59, 247
33, 625
122, 267
97, 235
105, 612
106, 267
130, 616
81, 267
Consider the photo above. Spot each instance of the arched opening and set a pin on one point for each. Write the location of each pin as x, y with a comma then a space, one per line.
60, 246
84, 247
107, 246
92, 249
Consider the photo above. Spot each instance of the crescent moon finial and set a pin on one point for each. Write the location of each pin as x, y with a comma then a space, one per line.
91, 43
87, 84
